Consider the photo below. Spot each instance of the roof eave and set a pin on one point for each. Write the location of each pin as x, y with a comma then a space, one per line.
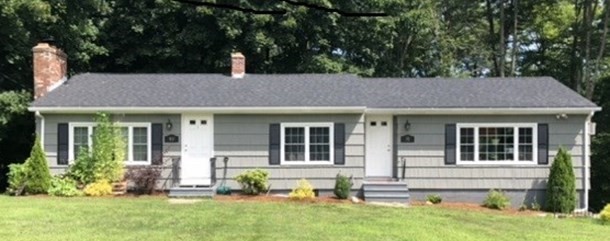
220, 110
322, 110
485, 111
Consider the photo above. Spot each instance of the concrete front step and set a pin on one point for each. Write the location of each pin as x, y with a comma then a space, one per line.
192, 191
385, 191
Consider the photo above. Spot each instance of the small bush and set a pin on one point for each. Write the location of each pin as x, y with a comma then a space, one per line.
561, 187
605, 215
535, 205
38, 177
16, 179
343, 185
496, 200
434, 198
82, 170
63, 186
144, 178
254, 181
98, 188
304, 190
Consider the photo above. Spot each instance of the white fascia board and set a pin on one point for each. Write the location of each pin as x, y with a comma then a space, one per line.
219, 110
320, 110
480, 111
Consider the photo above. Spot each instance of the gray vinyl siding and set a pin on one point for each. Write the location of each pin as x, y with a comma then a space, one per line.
171, 150
245, 138
426, 170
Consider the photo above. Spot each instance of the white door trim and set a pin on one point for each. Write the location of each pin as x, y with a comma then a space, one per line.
195, 171
379, 146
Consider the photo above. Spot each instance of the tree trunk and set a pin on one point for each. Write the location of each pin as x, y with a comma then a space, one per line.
600, 53
575, 62
515, 50
492, 42
587, 20
501, 42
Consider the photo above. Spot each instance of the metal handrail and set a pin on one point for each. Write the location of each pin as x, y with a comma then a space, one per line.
213, 171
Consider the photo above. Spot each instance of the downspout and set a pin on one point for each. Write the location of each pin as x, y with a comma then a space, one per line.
586, 163
41, 134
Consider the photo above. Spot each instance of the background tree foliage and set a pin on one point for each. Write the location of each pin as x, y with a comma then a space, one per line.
564, 39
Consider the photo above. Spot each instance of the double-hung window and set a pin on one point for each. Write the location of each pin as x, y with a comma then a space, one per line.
136, 136
307, 143
496, 143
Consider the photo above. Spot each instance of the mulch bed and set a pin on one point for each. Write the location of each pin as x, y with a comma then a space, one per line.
479, 208
271, 198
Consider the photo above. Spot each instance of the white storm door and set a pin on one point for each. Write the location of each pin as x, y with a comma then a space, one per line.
378, 146
197, 149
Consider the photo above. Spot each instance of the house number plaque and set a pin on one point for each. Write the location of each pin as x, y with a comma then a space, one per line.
407, 139
172, 139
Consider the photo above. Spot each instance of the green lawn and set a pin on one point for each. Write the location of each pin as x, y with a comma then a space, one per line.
153, 218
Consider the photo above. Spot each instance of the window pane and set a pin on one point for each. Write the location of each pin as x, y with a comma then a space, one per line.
496, 143
140, 143
294, 144
319, 146
526, 148
81, 139
467, 144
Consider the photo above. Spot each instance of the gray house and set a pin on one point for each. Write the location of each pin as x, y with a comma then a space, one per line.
398, 138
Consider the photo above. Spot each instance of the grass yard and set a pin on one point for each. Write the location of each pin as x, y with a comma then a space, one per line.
153, 218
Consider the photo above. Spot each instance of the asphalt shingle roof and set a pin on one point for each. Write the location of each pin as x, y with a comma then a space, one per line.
307, 90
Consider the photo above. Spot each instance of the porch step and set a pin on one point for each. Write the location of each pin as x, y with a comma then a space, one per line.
192, 192
385, 191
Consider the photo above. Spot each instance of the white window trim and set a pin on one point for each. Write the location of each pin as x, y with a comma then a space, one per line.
129, 154
307, 161
516, 127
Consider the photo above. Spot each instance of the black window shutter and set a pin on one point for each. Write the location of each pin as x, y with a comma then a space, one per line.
62, 144
157, 144
339, 144
274, 144
543, 144
450, 132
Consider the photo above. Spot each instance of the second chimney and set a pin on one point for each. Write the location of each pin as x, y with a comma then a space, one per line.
50, 68
238, 65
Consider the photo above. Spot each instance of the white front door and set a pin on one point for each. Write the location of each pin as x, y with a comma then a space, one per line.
378, 146
197, 149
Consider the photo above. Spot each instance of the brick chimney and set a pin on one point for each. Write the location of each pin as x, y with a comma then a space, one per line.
238, 65
50, 67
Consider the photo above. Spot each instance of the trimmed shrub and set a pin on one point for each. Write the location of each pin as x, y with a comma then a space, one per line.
254, 181
343, 185
434, 198
303, 190
144, 178
16, 179
561, 187
496, 199
38, 177
604, 216
63, 186
98, 188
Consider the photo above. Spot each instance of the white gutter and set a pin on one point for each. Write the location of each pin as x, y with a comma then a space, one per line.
220, 110
586, 163
298, 110
41, 128
481, 111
